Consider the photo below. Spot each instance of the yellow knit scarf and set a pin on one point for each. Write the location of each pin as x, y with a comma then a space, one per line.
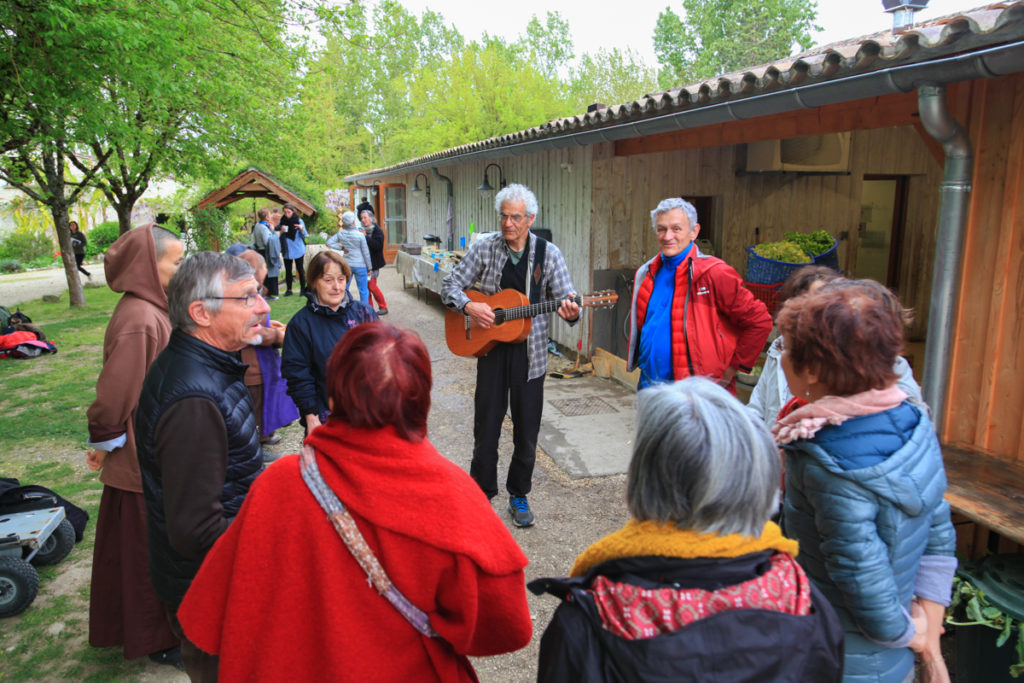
651, 538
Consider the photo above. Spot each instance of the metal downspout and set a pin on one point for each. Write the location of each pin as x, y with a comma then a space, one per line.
953, 207
449, 208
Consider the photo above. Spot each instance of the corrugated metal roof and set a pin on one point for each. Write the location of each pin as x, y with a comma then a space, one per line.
936, 39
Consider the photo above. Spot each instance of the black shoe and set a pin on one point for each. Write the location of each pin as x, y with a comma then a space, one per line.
382, 311
288, 293
171, 657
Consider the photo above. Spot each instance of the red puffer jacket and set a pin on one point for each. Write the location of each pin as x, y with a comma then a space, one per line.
716, 321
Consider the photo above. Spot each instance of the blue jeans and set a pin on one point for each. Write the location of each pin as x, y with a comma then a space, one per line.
359, 275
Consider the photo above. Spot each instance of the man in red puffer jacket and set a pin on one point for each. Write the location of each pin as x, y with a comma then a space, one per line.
691, 314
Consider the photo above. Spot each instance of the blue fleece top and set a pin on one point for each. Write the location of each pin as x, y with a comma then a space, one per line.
655, 359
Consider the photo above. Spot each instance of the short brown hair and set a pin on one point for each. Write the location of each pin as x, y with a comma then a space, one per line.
801, 279
318, 264
849, 333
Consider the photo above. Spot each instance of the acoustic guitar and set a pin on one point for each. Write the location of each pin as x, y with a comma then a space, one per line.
512, 317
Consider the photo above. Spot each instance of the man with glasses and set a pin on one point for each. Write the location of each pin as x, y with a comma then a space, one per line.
511, 373
195, 429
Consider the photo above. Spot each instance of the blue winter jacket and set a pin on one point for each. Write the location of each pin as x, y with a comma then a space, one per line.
312, 334
865, 500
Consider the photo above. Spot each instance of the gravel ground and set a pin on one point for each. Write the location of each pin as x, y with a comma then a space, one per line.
17, 288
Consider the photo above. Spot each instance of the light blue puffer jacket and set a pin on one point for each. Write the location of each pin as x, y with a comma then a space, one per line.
865, 501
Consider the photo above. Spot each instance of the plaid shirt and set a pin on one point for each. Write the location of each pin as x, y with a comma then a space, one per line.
484, 262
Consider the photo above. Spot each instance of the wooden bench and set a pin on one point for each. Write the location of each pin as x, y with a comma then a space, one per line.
987, 490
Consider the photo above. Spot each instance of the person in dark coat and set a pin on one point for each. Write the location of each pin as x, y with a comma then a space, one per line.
78, 244
195, 430
314, 331
375, 241
699, 585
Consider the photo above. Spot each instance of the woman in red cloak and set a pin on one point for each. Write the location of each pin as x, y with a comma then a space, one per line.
281, 596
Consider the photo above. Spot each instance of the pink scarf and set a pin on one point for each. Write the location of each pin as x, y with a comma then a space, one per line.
804, 422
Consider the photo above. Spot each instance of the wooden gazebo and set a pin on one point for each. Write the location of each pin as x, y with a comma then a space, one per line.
253, 182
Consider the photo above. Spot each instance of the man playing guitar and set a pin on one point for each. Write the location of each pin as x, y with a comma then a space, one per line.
518, 260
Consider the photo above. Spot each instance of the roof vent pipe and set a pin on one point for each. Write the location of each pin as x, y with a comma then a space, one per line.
954, 202
903, 12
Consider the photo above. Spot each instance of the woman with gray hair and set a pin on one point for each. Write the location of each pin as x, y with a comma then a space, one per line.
699, 585
351, 240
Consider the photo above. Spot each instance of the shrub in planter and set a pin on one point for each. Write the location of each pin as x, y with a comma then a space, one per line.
101, 237
983, 656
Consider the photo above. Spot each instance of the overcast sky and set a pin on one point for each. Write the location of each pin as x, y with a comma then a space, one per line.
596, 24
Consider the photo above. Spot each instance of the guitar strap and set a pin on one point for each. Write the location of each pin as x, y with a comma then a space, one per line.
539, 254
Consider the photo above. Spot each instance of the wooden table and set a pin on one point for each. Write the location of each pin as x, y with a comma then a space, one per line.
986, 490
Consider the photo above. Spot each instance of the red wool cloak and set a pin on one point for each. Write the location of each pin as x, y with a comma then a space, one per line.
279, 596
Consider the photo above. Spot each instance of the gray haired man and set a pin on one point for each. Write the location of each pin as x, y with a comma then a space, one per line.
195, 431
511, 371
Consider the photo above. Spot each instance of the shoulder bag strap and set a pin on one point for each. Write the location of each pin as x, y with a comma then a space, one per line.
537, 274
356, 544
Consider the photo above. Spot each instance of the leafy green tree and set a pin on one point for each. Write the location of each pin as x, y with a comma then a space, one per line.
718, 36
611, 77
121, 90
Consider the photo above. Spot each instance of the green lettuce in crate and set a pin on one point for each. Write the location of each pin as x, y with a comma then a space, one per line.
786, 252
816, 244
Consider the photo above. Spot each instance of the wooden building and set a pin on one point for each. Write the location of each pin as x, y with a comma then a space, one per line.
835, 138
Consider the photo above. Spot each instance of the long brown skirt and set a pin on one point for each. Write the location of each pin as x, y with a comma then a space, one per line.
123, 607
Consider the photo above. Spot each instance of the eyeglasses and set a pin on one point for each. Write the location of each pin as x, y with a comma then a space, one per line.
515, 217
249, 299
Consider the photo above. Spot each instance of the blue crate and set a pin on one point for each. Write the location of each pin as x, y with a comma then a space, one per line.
765, 271
830, 258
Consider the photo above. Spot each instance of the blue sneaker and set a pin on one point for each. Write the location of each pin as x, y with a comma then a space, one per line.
520, 511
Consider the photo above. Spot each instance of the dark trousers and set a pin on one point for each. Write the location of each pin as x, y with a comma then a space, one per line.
200, 666
496, 389
288, 273
78, 262
271, 284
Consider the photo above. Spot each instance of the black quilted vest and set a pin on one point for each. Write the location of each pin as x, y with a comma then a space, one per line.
190, 368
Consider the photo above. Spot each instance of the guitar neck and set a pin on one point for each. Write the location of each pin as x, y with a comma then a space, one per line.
533, 310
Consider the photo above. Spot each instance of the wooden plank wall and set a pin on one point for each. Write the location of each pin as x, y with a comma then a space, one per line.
986, 393
560, 178
626, 188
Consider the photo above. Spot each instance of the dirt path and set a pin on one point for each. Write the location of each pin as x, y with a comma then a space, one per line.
17, 288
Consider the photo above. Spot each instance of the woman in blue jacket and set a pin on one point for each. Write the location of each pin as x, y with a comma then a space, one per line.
314, 331
864, 481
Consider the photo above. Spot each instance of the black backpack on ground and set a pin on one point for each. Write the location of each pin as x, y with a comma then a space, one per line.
17, 498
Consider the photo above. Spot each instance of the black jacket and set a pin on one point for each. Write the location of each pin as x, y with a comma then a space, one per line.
312, 334
375, 242
190, 368
737, 645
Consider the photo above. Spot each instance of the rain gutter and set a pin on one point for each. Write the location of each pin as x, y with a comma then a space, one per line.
954, 204
988, 63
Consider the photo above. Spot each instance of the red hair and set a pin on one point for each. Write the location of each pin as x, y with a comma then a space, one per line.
379, 375
848, 332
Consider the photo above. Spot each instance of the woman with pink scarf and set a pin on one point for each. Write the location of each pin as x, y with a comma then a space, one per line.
864, 481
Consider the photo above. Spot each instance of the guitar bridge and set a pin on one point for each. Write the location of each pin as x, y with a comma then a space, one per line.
469, 326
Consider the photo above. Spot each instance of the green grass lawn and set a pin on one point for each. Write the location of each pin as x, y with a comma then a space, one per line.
44, 432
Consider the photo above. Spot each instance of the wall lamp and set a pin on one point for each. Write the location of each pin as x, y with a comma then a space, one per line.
485, 186
416, 185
